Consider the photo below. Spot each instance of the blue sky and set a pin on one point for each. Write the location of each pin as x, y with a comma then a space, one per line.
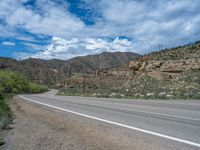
64, 29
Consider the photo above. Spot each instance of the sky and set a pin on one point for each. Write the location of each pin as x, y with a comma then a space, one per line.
63, 29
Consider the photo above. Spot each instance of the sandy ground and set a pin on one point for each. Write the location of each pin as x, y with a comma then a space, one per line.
41, 128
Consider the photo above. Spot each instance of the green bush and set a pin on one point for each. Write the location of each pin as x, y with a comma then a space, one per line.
14, 83
11, 82
36, 88
5, 114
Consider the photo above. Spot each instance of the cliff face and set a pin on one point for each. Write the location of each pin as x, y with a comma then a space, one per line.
171, 62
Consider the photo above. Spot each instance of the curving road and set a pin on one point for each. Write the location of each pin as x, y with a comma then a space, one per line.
175, 121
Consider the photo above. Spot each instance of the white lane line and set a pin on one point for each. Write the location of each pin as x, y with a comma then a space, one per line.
117, 124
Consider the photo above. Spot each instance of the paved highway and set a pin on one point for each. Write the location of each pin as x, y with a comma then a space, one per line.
177, 121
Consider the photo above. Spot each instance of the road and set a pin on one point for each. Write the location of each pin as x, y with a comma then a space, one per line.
176, 121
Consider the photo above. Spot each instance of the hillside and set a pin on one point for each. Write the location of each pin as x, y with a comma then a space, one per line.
175, 60
177, 53
91, 63
170, 73
52, 72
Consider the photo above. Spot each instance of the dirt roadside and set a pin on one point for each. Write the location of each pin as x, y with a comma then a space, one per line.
41, 128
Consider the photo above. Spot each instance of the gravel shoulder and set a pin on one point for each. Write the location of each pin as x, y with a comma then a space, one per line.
41, 128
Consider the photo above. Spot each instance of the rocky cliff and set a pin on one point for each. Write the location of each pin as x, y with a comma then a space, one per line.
171, 62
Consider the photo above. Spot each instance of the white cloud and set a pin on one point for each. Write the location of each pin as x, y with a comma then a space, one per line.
6, 31
53, 20
64, 49
148, 23
27, 39
117, 44
33, 47
122, 11
8, 43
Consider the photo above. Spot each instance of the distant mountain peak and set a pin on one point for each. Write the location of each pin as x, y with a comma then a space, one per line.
38, 70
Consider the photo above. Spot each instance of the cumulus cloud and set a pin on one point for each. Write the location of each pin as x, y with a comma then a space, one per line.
50, 19
8, 43
33, 46
64, 49
117, 44
151, 23
147, 23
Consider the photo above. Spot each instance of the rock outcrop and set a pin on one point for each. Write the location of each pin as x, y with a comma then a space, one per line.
170, 66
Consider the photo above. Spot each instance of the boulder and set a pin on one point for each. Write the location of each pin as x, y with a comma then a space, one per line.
161, 94
135, 65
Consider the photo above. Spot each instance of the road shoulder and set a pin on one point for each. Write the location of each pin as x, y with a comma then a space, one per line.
40, 127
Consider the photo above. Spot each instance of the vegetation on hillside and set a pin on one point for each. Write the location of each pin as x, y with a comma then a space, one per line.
53, 72
13, 83
177, 53
169, 74
5, 114
187, 86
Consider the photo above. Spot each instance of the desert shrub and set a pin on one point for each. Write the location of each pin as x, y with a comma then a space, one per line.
11, 82
14, 83
5, 114
36, 88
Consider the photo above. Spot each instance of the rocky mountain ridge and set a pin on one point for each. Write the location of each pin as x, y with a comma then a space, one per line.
170, 73
52, 72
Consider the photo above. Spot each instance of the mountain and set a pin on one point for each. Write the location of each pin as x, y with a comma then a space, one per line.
51, 72
170, 73
91, 63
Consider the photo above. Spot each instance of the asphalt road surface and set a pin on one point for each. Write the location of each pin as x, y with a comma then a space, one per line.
176, 121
